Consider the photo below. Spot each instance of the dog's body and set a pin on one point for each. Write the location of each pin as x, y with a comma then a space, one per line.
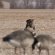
44, 42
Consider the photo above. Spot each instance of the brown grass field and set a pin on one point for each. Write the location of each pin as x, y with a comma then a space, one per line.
14, 19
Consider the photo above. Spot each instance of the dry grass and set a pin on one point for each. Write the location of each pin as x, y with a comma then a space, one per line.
12, 20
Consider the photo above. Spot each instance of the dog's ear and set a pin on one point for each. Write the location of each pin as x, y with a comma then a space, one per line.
29, 20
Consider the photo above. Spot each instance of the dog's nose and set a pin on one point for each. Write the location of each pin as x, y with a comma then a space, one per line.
6, 38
